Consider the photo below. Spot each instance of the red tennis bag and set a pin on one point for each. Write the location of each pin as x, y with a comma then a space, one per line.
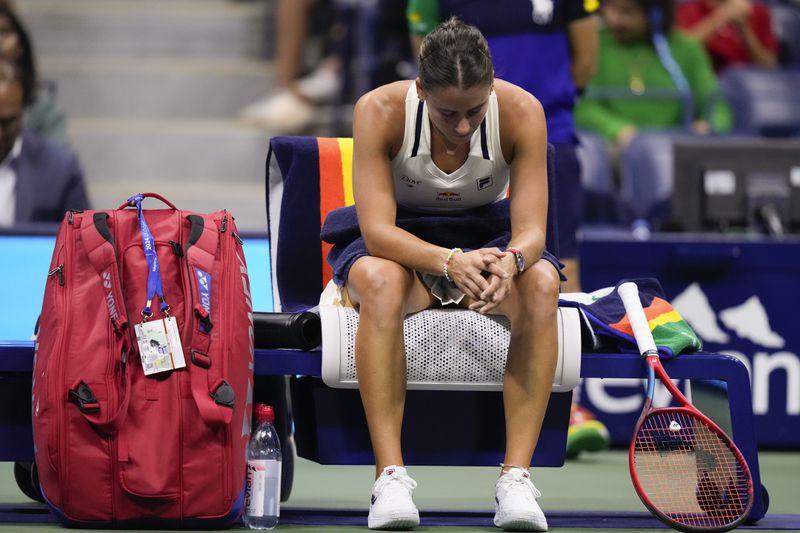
117, 444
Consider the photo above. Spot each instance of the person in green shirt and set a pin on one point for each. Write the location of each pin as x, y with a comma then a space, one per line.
634, 89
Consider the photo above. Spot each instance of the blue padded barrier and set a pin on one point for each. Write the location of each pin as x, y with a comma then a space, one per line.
786, 26
764, 101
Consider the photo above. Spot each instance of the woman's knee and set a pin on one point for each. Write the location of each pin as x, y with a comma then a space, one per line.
381, 283
540, 288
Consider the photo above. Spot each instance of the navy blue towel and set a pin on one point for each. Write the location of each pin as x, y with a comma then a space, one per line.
483, 227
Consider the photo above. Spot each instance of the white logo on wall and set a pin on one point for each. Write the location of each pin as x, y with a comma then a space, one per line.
746, 321
542, 11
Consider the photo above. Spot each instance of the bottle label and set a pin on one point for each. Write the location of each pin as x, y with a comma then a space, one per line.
263, 495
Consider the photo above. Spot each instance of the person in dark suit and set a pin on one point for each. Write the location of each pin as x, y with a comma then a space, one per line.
43, 113
39, 180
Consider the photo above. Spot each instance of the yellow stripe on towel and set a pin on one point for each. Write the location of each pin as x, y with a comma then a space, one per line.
346, 150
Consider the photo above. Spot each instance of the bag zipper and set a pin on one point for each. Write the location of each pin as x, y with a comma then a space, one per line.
49, 369
229, 260
61, 407
60, 271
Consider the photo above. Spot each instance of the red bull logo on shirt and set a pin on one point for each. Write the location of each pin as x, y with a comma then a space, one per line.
448, 197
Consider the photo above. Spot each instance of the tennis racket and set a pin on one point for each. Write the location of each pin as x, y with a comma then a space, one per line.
684, 468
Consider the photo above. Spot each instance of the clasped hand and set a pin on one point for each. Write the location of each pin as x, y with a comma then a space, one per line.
484, 275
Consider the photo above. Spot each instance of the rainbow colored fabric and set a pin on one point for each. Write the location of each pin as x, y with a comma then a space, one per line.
671, 333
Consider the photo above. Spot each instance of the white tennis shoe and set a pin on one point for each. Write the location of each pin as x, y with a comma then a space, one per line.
321, 86
391, 506
515, 498
283, 113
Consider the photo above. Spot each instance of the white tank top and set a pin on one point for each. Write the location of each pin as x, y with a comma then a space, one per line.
420, 185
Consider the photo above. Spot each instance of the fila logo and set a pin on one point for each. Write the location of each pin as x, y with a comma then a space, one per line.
107, 280
484, 183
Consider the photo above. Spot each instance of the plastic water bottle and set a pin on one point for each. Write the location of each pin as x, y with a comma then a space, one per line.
263, 493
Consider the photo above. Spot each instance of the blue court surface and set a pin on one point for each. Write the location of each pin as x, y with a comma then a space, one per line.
592, 493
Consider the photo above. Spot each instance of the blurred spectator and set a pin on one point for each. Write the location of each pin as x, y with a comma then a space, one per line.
394, 59
638, 87
292, 109
549, 48
39, 179
43, 115
735, 32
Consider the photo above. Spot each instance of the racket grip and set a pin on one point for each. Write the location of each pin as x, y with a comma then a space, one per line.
629, 293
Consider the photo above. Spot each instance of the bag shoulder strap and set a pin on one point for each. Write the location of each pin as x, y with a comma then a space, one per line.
101, 252
213, 395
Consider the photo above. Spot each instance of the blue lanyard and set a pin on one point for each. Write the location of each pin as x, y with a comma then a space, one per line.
656, 18
154, 270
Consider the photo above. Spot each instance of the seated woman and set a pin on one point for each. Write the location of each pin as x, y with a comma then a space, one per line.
637, 88
450, 144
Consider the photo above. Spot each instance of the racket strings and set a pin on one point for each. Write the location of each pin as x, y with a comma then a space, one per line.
689, 472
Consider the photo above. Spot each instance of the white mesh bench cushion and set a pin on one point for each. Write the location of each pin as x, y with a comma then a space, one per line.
453, 349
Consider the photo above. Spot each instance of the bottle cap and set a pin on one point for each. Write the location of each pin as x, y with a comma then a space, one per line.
264, 413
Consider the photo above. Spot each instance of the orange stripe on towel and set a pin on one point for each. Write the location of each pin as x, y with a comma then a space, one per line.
331, 195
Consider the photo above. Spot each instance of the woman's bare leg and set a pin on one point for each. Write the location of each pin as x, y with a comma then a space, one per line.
384, 293
532, 355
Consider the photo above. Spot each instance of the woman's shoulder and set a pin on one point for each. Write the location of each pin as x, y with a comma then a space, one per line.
514, 101
389, 98
520, 115
381, 112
